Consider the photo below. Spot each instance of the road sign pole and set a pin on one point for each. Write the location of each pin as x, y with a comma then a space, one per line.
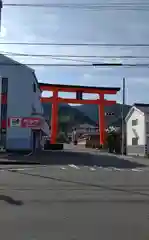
123, 120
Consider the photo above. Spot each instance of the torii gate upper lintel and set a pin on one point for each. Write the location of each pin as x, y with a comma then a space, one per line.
79, 90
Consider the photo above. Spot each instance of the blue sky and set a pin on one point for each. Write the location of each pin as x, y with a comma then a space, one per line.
61, 25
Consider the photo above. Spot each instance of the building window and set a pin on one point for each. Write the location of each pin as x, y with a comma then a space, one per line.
135, 122
134, 141
4, 85
34, 87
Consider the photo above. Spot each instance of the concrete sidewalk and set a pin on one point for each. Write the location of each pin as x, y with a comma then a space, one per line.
139, 160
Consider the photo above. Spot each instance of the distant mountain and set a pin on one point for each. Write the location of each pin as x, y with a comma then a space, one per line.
70, 116
92, 112
89, 110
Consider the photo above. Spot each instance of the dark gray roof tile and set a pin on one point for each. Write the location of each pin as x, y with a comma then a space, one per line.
142, 107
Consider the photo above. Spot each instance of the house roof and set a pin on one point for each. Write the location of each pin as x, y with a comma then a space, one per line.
142, 107
6, 61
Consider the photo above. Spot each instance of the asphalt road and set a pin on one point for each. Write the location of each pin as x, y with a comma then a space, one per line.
77, 155
71, 202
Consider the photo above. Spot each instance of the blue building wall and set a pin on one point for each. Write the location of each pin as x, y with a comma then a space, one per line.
22, 100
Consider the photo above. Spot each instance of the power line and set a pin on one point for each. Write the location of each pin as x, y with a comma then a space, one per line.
114, 6
77, 44
55, 57
122, 65
72, 56
58, 64
78, 65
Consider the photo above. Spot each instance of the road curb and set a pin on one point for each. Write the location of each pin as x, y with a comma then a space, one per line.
19, 163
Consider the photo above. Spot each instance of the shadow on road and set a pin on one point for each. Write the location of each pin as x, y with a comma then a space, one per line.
77, 158
10, 200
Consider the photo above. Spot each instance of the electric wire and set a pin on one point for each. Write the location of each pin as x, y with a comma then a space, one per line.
144, 6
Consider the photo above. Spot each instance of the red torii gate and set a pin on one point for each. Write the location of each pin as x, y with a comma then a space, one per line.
79, 90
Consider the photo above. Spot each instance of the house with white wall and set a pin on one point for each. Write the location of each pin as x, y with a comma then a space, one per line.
137, 130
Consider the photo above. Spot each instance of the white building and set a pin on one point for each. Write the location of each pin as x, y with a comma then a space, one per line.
137, 130
86, 128
21, 107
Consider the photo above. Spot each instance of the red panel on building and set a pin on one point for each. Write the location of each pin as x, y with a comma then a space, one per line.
3, 99
31, 123
4, 124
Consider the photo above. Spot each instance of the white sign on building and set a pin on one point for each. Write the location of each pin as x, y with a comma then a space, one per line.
15, 122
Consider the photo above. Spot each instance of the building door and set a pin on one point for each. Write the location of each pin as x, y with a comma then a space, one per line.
38, 138
34, 141
147, 147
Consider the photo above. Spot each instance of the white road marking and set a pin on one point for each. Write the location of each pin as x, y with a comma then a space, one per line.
100, 167
73, 166
136, 170
22, 169
93, 169
18, 169
63, 168
121, 169
117, 169
15, 169
108, 169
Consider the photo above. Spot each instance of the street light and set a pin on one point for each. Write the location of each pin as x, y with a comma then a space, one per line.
1, 5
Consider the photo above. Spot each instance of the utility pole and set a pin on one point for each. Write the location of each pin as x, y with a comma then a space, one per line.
123, 120
1, 5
